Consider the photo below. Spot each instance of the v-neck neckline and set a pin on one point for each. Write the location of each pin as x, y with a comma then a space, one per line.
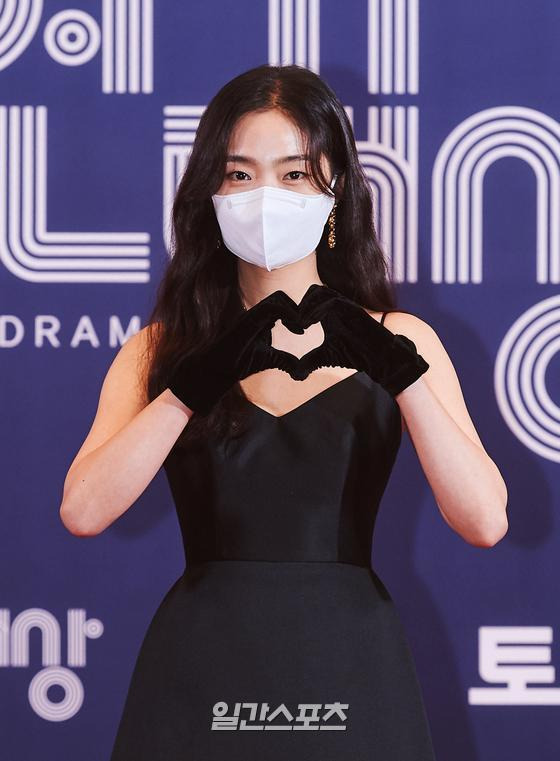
303, 404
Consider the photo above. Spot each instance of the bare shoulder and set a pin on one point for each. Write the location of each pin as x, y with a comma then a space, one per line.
418, 330
441, 376
407, 324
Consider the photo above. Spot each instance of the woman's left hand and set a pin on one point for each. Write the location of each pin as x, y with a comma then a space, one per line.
356, 340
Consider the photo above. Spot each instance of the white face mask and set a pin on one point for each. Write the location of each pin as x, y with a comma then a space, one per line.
272, 227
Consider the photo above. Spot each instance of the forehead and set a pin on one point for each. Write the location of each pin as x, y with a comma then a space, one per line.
266, 135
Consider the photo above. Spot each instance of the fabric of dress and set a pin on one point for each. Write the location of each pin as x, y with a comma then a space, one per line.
279, 641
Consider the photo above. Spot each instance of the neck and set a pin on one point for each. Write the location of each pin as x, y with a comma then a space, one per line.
256, 283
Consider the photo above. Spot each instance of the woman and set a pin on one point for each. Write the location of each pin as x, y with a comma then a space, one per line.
273, 382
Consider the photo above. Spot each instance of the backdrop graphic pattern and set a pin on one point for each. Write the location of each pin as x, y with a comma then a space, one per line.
456, 120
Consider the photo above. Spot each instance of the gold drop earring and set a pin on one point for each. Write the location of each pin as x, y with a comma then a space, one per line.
331, 221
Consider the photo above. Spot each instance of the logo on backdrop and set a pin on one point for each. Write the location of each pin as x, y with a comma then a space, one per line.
14, 651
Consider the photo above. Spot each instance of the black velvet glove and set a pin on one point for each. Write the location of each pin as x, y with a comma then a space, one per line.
200, 379
354, 339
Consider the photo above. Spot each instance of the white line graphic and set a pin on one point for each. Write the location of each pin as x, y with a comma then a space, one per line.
72, 37
391, 164
532, 342
393, 46
19, 20
127, 46
30, 251
180, 124
293, 33
457, 189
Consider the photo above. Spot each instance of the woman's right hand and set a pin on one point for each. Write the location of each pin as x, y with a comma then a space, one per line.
201, 378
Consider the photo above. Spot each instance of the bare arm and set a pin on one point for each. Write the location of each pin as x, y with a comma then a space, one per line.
467, 485
125, 447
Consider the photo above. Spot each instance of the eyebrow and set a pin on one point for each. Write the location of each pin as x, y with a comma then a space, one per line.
248, 160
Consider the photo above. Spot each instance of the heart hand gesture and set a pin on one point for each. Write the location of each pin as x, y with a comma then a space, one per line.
353, 339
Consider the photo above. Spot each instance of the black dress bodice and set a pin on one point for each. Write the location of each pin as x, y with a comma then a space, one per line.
302, 486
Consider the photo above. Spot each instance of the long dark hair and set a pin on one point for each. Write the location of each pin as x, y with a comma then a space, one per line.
199, 293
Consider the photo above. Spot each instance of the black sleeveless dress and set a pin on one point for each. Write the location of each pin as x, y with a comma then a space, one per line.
279, 641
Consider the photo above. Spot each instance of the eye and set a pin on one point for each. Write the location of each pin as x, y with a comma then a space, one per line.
236, 171
296, 171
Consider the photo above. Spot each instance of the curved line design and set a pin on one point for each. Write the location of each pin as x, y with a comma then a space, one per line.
457, 189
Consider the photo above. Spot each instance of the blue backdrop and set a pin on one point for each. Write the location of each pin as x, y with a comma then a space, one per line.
455, 109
